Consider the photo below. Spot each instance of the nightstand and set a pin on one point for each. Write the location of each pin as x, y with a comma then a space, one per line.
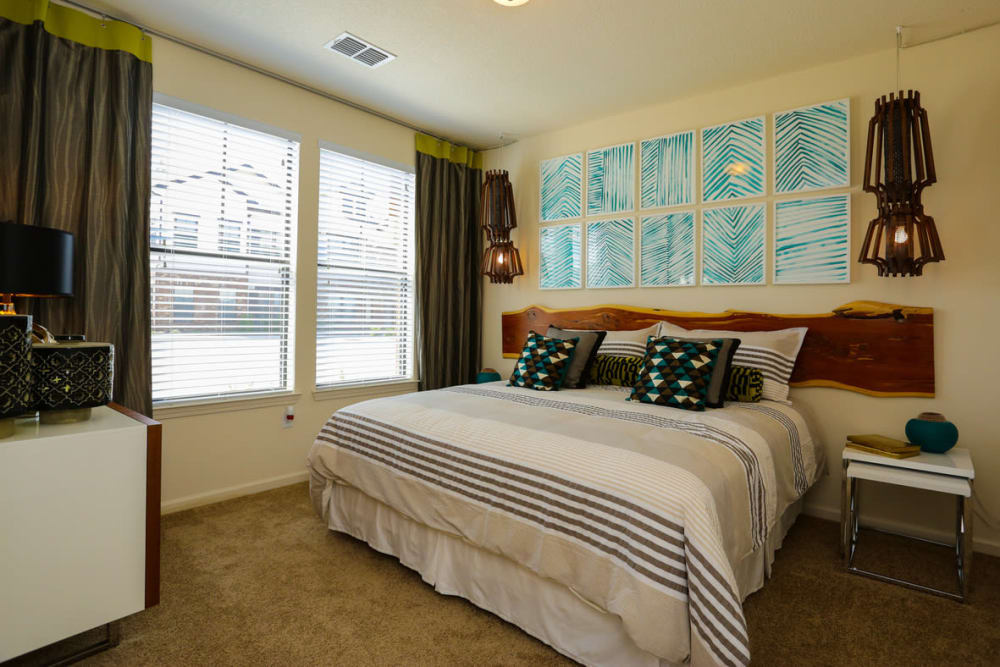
951, 473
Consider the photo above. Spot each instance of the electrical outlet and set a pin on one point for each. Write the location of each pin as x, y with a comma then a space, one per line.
288, 420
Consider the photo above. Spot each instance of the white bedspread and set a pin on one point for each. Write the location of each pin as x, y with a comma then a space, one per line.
642, 510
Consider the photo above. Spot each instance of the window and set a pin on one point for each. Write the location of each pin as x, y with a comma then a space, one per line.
364, 328
223, 214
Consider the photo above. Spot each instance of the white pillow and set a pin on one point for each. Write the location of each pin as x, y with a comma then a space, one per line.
627, 343
772, 352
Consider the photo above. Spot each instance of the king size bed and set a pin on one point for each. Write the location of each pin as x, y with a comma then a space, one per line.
615, 531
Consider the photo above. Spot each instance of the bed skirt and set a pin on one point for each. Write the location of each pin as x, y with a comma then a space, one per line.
546, 610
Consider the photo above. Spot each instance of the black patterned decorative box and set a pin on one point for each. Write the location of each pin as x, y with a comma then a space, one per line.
15, 369
70, 378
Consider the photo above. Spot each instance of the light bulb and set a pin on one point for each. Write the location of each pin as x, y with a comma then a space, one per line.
500, 258
901, 236
510, 3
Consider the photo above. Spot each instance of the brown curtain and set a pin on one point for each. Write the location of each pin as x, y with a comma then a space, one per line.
448, 248
74, 155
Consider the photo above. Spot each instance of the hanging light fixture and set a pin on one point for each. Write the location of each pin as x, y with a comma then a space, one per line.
899, 164
501, 261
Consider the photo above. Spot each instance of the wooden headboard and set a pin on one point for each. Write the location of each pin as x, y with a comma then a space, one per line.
872, 348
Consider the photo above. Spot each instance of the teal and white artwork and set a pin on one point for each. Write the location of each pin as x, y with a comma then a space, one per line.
611, 179
666, 250
812, 147
561, 188
732, 161
611, 253
732, 245
560, 256
666, 170
812, 240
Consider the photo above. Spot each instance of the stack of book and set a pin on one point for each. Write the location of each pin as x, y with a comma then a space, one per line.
882, 445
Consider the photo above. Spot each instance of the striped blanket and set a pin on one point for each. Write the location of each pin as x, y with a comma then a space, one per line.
642, 510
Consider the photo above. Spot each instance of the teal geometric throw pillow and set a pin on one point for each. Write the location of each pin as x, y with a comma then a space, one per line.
676, 373
543, 362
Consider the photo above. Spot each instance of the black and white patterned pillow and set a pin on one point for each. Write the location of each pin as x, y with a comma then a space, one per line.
676, 373
543, 362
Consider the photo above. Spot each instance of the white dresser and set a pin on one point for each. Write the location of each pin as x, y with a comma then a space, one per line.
79, 526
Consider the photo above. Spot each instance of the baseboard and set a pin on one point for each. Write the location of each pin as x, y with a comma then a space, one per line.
988, 547
218, 495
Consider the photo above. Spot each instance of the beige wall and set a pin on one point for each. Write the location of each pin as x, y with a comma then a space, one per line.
222, 453
959, 79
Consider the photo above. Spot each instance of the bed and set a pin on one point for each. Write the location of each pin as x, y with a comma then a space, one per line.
616, 532
641, 528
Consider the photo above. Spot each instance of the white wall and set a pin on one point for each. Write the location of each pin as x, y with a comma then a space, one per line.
226, 452
959, 80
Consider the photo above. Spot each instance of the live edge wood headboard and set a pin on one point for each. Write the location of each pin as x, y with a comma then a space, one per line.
873, 348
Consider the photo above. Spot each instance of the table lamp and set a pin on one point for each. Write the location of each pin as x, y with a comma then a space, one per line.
34, 262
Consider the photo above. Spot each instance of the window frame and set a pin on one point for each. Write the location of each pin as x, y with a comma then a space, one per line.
237, 400
381, 387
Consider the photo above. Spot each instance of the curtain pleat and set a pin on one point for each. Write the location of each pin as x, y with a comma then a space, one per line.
449, 287
74, 155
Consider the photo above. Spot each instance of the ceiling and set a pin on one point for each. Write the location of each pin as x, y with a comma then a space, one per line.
470, 69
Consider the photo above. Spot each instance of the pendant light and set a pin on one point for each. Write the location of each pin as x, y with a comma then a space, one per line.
899, 164
501, 261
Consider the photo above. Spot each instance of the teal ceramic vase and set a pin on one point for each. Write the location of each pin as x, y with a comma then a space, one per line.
932, 432
487, 375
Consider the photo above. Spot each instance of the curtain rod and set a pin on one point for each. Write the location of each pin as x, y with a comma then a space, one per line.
253, 68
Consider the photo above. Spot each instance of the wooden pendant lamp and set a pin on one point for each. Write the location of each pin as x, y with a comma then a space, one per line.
501, 261
899, 164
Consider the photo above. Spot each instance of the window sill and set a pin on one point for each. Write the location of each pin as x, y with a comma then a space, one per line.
175, 409
373, 390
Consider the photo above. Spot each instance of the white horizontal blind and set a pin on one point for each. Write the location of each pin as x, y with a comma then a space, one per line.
364, 327
223, 213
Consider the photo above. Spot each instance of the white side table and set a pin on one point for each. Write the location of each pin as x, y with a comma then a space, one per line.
951, 473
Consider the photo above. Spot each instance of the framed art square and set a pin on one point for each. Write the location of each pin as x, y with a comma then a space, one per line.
611, 179
611, 253
666, 250
560, 256
732, 161
666, 170
812, 147
560, 195
812, 240
732, 245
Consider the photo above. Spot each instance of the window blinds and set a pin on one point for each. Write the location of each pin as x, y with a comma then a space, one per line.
222, 248
364, 327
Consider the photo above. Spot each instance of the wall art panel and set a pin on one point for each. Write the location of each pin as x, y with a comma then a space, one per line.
732, 245
666, 255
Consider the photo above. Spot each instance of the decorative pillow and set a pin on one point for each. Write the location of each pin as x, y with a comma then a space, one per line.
543, 363
583, 357
619, 371
773, 353
627, 343
676, 373
715, 395
746, 385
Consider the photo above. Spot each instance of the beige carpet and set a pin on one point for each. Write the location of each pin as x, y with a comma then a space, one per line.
259, 581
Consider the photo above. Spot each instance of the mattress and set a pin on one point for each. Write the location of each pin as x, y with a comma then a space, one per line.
660, 518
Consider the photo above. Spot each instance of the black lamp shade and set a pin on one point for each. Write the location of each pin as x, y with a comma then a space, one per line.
35, 261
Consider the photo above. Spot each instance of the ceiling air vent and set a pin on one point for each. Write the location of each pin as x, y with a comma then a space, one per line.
359, 50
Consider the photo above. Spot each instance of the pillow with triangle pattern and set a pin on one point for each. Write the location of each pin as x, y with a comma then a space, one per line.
676, 373
543, 362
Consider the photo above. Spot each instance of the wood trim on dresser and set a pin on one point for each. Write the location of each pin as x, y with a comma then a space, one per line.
872, 348
154, 468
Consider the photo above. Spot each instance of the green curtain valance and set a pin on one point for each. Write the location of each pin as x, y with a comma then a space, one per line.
78, 27
442, 149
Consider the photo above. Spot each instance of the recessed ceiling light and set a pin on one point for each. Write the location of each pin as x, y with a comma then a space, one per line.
510, 3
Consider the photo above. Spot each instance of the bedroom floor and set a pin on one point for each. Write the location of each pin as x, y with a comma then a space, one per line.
257, 580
